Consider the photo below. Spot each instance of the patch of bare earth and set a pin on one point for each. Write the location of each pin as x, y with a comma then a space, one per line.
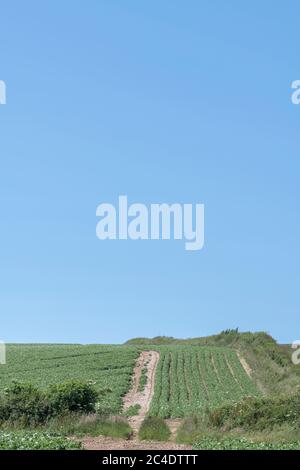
173, 426
147, 360
245, 364
108, 443
249, 372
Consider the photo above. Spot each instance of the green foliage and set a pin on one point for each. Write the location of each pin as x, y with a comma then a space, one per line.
154, 429
211, 443
108, 367
93, 425
158, 340
133, 410
27, 405
191, 379
258, 413
143, 380
117, 428
189, 430
28, 440
229, 337
73, 396
271, 363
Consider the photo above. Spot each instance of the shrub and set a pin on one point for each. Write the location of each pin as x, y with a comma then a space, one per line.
154, 429
73, 396
25, 404
258, 413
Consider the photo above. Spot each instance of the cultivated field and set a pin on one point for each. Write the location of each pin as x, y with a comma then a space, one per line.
108, 367
229, 391
188, 379
191, 379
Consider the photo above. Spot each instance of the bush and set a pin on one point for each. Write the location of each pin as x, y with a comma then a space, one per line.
154, 429
74, 396
26, 405
258, 413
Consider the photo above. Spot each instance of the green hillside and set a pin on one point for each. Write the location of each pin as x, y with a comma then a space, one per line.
192, 379
271, 367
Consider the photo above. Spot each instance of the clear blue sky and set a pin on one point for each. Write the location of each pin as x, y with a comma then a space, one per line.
165, 101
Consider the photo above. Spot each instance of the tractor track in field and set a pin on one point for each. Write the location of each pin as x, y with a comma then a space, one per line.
147, 360
245, 364
249, 372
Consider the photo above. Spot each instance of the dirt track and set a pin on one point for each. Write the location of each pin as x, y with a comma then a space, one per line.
108, 443
148, 360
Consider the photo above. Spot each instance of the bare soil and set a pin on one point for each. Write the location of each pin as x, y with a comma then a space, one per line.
108, 443
149, 361
249, 372
173, 426
245, 364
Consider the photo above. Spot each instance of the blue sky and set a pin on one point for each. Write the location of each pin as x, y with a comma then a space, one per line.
165, 102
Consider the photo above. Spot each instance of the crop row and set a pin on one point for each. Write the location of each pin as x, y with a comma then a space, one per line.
189, 380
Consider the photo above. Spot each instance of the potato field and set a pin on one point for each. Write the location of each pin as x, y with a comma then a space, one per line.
188, 379
108, 367
192, 379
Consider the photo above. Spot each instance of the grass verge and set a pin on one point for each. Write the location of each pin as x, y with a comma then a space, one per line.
154, 429
92, 425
